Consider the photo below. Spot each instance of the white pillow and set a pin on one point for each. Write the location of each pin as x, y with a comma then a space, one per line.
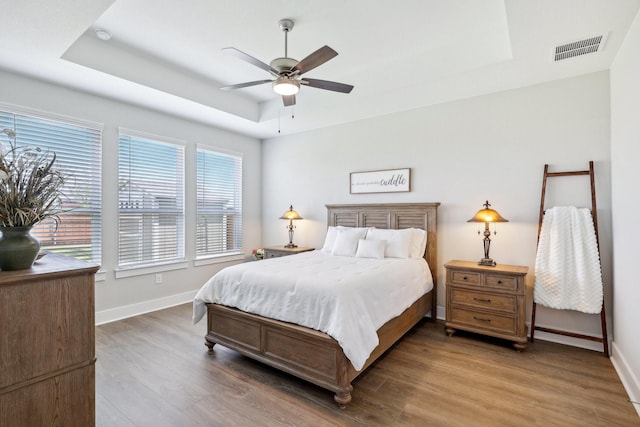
330, 239
418, 243
347, 241
371, 248
332, 233
398, 241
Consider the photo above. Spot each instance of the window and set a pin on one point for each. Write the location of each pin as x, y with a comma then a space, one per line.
219, 203
77, 146
151, 200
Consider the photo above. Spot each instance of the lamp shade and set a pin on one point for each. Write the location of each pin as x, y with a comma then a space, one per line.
487, 215
291, 214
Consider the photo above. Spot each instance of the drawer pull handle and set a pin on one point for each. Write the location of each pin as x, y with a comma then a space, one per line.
499, 282
481, 319
464, 278
481, 299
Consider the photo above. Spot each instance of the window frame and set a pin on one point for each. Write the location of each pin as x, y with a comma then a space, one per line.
95, 211
147, 266
236, 253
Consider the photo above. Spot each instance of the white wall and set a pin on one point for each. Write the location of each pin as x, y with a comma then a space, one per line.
122, 297
461, 153
625, 176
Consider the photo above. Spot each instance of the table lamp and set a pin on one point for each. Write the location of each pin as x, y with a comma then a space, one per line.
487, 215
291, 215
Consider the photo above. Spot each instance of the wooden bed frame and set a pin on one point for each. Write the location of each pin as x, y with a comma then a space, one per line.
312, 355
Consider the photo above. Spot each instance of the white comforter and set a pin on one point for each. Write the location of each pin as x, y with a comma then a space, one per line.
347, 298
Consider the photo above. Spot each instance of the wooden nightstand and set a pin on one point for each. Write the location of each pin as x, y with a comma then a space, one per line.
278, 251
487, 300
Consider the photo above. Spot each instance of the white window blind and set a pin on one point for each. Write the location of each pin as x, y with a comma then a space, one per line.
151, 201
77, 146
219, 203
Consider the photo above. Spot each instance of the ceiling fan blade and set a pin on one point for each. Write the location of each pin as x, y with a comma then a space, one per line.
288, 100
314, 60
250, 59
327, 85
247, 84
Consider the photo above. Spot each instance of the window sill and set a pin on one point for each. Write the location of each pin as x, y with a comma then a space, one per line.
218, 259
150, 269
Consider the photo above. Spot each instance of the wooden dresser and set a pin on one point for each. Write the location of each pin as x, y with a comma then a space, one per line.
487, 300
278, 251
47, 344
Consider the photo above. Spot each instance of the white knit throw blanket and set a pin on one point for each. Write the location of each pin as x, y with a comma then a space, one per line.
567, 272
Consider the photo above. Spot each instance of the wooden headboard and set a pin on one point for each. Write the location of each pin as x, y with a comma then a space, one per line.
395, 216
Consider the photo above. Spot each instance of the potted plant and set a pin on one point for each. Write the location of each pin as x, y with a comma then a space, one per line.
30, 191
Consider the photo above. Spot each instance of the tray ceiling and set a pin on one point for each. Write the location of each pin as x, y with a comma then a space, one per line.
167, 55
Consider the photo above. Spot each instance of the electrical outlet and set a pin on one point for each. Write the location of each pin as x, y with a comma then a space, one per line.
158, 278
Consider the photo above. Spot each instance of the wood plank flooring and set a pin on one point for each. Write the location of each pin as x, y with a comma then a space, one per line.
154, 370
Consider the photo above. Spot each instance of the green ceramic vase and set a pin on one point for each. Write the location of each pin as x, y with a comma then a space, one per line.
18, 248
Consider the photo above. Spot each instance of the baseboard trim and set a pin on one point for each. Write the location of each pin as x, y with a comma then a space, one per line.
119, 313
629, 380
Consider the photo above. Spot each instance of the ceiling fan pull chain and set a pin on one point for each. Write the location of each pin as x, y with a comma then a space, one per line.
278, 120
293, 111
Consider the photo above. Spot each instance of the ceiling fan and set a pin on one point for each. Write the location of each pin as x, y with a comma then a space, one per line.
287, 71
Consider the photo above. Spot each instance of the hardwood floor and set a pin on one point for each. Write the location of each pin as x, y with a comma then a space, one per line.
154, 370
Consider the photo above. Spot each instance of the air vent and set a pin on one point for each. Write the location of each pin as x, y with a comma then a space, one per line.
577, 48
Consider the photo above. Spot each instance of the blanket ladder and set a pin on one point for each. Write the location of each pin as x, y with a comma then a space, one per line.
594, 214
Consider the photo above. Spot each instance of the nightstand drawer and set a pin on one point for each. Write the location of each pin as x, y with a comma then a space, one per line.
486, 321
505, 303
501, 282
466, 278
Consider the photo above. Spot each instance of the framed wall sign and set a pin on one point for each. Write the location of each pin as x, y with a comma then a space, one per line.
384, 181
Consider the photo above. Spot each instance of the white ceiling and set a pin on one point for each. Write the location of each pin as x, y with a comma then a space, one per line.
399, 55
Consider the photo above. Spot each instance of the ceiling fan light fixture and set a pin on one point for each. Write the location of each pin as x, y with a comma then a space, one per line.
286, 86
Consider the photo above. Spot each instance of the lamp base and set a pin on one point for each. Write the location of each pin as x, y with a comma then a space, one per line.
290, 245
487, 261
